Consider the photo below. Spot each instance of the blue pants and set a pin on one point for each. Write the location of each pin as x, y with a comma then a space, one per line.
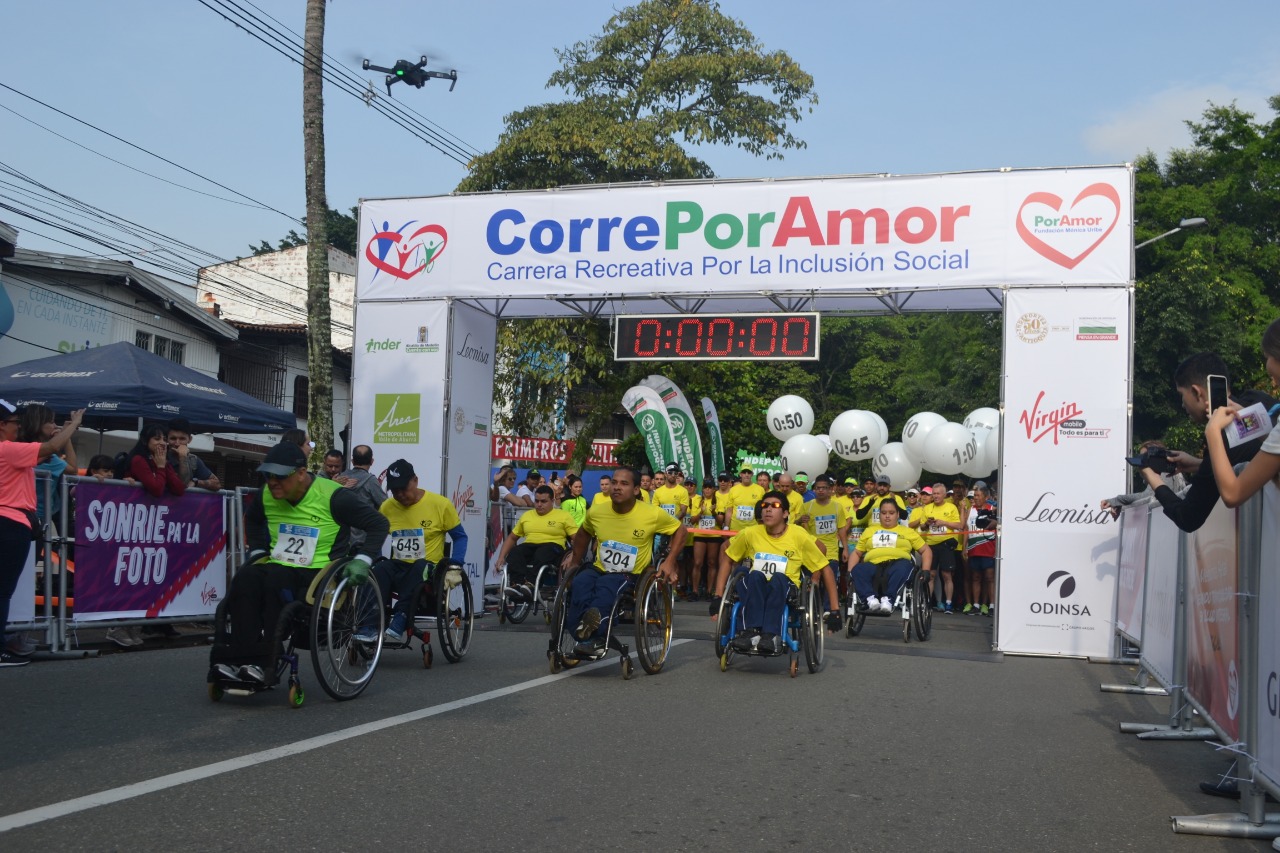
401, 578
880, 579
763, 601
594, 588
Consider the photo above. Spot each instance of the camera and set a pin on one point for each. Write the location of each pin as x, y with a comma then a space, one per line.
1155, 458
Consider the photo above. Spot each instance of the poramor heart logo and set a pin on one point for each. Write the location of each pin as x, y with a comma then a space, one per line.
404, 255
1068, 233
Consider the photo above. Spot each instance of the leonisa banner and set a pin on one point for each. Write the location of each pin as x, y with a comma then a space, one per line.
840, 234
1213, 665
684, 429
1133, 570
139, 556
1066, 435
652, 420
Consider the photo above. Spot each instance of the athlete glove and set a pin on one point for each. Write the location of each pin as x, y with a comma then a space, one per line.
356, 571
714, 608
834, 621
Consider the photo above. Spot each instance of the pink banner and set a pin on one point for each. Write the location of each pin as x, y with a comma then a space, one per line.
1133, 570
139, 556
1213, 668
551, 450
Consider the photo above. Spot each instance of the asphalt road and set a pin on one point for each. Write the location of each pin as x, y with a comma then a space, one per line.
934, 746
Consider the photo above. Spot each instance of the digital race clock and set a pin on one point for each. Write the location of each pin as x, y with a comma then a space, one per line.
716, 337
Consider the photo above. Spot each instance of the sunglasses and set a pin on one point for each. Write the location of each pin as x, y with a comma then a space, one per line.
278, 478
771, 505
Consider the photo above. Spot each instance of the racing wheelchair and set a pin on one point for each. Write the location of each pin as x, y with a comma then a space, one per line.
444, 599
801, 627
911, 602
646, 600
323, 622
514, 610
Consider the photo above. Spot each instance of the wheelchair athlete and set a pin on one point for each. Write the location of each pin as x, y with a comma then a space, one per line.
545, 531
777, 551
300, 525
419, 521
881, 561
624, 529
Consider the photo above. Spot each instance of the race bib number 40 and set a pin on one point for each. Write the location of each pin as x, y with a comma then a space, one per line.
408, 545
618, 556
767, 564
295, 544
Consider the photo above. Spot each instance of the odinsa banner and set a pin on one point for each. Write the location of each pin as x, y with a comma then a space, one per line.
1213, 674
976, 229
1066, 434
139, 556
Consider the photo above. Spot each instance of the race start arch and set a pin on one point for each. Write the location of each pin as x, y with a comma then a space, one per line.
1050, 248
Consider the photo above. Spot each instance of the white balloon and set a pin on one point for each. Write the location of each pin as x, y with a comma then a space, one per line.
789, 415
984, 418
825, 439
917, 428
855, 435
977, 468
949, 448
893, 460
804, 453
991, 452
884, 428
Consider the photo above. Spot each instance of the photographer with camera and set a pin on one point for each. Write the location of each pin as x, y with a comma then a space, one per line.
1192, 382
1154, 455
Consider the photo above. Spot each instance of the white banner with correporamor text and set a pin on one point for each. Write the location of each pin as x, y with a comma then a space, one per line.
840, 234
1066, 434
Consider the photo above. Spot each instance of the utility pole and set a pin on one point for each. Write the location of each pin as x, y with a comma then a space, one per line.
319, 336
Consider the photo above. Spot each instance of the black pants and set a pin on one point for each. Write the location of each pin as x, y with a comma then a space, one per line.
15, 546
259, 593
525, 559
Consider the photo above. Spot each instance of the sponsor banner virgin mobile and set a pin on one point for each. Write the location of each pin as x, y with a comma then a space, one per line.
975, 229
1066, 434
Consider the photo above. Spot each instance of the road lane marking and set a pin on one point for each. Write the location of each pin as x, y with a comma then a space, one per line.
196, 774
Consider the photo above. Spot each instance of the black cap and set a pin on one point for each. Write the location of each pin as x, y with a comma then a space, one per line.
283, 459
399, 475
725, 475
709, 483
689, 481
883, 478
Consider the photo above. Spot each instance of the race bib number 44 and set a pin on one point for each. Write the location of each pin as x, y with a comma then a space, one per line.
768, 564
618, 556
408, 545
295, 544
884, 539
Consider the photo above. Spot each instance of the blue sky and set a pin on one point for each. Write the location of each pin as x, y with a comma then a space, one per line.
905, 87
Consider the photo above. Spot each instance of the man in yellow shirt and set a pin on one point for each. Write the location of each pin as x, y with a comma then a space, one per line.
868, 512
843, 495
795, 500
881, 561
545, 531
778, 551
624, 530
419, 522
940, 520
606, 490
672, 497
827, 522
743, 498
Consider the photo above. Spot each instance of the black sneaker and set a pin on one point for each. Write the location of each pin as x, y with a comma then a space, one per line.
770, 644
589, 648
590, 622
746, 641
8, 658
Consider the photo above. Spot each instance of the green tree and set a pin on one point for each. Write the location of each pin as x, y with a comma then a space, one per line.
661, 76
341, 229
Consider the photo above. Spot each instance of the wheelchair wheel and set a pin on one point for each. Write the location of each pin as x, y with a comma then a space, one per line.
857, 618
344, 666
811, 634
510, 610
539, 601
724, 624
655, 600
454, 619
560, 648
921, 612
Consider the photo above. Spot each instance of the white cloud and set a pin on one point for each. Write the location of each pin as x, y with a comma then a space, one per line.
1159, 122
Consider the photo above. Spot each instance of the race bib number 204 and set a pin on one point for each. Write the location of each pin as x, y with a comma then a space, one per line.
618, 556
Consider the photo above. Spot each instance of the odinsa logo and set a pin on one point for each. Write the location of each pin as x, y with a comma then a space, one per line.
406, 251
396, 418
1067, 232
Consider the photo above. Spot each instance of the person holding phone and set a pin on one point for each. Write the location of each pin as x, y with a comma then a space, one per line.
1265, 465
1191, 380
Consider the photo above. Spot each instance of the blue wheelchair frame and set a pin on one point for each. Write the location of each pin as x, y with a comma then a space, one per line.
799, 629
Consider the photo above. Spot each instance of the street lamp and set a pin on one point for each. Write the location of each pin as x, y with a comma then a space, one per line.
1193, 222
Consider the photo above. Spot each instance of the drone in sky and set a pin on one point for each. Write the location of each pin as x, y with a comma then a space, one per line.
415, 75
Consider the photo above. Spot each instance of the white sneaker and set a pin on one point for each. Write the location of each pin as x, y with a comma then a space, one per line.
886, 606
873, 604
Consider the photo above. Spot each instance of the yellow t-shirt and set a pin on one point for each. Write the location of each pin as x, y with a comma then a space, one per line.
601, 498
795, 547
417, 532
702, 516
554, 527
741, 511
930, 514
846, 502
673, 500
797, 505
880, 545
825, 523
625, 542
872, 518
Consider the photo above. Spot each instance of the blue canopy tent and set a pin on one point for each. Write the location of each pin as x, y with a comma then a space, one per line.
119, 384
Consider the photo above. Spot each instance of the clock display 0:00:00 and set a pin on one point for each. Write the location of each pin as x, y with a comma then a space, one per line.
712, 337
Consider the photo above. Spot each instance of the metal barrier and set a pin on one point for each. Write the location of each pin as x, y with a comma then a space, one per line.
1210, 624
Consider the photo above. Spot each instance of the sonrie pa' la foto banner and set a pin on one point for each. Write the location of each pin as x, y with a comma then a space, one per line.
140, 556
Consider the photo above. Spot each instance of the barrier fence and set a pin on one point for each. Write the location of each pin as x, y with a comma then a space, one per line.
1204, 608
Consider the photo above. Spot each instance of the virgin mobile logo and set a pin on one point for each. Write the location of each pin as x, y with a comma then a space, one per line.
1040, 423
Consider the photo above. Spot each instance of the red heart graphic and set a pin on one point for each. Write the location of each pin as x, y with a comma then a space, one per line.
1104, 190
409, 244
